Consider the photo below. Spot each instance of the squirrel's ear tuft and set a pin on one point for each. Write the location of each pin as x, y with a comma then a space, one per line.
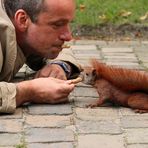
94, 72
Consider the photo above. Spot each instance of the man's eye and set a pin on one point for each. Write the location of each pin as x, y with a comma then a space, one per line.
58, 24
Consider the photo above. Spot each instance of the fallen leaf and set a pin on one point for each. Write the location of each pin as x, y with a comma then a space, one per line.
142, 18
126, 39
103, 17
138, 34
124, 13
82, 7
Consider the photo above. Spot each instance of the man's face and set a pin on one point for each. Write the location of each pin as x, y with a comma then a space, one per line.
47, 35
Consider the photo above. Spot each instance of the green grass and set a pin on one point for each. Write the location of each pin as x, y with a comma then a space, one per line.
111, 9
21, 146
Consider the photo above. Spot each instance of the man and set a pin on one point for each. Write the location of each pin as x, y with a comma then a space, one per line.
32, 32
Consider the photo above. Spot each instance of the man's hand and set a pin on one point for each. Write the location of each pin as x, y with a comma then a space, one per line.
43, 90
52, 70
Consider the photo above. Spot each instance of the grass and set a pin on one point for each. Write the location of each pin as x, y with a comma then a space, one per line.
96, 12
21, 146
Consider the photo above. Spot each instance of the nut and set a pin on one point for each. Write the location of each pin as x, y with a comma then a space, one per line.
77, 80
65, 46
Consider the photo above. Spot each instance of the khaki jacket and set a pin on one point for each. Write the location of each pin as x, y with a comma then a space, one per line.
12, 59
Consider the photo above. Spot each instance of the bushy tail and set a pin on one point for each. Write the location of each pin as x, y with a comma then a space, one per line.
127, 79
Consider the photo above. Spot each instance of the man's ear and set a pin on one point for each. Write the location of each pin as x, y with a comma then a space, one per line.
21, 20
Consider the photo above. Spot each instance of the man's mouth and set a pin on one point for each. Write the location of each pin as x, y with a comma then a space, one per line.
57, 48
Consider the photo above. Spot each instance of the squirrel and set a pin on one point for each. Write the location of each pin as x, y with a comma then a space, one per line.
124, 87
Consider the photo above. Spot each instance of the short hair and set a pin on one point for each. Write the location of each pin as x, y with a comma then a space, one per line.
31, 7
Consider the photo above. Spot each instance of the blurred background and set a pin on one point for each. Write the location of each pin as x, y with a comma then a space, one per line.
108, 19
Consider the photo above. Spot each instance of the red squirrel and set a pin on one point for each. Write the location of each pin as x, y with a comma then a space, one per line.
125, 87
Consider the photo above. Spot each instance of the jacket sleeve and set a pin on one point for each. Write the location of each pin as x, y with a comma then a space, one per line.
67, 55
7, 97
7, 93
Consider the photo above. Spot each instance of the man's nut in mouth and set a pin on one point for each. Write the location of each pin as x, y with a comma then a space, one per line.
65, 46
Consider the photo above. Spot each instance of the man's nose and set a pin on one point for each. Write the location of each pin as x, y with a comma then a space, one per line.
66, 34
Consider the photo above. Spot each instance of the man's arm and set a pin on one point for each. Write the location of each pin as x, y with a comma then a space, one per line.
7, 92
7, 97
41, 90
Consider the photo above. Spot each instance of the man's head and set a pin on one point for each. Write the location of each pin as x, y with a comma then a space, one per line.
32, 8
42, 26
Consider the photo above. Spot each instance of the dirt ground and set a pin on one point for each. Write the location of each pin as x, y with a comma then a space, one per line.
111, 32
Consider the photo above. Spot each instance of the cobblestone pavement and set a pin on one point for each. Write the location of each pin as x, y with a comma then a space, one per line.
72, 125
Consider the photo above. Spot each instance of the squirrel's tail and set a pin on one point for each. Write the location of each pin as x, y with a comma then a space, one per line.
127, 79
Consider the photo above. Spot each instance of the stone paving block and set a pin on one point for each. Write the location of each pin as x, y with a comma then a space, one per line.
90, 42
119, 43
129, 112
125, 56
84, 101
7, 147
102, 141
10, 139
29, 71
11, 126
115, 44
58, 109
122, 54
94, 114
53, 145
141, 50
86, 52
145, 64
125, 50
86, 62
48, 121
134, 121
17, 115
42, 135
20, 76
145, 42
130, 65
99, 127
83, 47
120, 59
23, 69
85, 92
81, 84
137, 136
83, 62
124, 63
88, 57
144, 59
142, 54
138, 146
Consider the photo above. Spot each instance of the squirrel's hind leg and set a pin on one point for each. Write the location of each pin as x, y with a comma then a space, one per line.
138, 102
140, 111
97, 103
